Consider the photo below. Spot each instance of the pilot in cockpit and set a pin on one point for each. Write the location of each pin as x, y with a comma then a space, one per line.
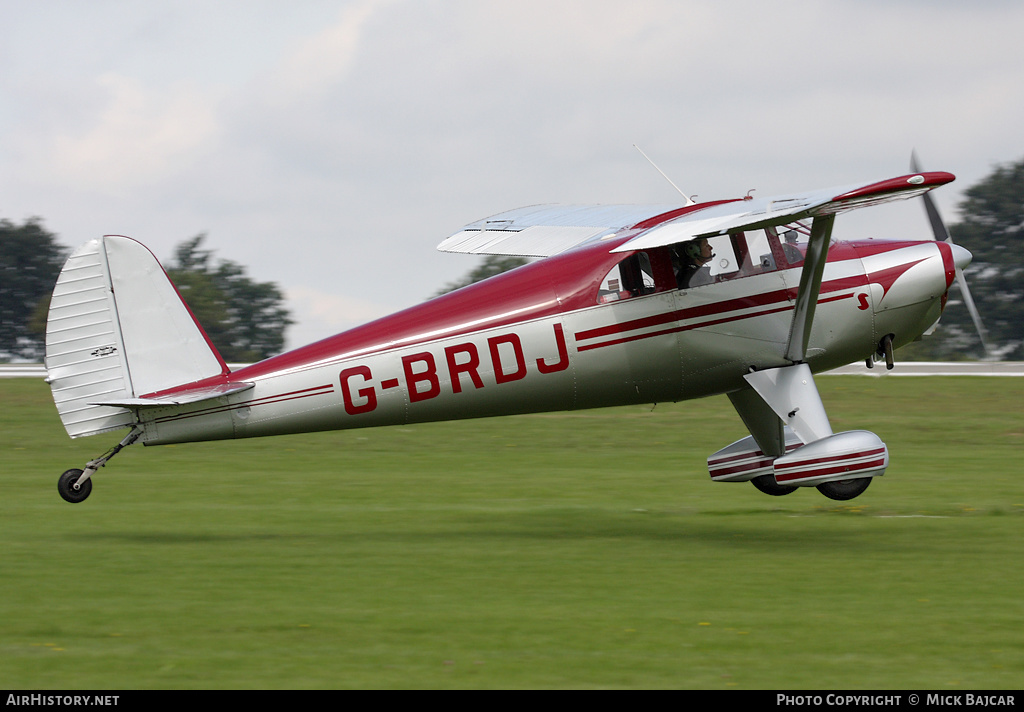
693, 269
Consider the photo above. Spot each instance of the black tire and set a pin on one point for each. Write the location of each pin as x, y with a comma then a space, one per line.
65, 485
843, 490
768, 485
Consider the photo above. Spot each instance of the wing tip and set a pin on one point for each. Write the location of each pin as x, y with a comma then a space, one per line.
910, 182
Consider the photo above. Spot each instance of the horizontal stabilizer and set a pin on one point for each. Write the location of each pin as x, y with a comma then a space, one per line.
184, 397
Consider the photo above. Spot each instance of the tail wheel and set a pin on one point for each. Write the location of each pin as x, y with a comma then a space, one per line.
768, 485
843, 490
66, 487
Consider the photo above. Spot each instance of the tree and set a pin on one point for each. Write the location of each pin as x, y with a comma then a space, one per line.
992, 228
244, 319
491, 265
30, 261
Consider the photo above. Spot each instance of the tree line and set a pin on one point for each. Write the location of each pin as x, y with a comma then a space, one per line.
246, 319
992, 228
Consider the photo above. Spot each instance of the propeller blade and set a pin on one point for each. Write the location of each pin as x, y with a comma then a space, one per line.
975, 315
942, 234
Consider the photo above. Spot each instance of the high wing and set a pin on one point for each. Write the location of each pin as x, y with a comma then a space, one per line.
545, 230
756, 213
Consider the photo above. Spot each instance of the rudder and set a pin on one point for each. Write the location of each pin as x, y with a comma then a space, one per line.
118, 329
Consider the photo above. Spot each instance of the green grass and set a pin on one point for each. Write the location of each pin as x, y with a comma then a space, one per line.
580, 550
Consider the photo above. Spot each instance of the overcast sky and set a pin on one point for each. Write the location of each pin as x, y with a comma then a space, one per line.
330, 146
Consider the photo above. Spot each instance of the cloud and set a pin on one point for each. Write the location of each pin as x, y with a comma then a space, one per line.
139, 135
324, 59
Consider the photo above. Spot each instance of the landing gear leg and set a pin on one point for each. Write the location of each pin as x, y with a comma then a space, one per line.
75, 485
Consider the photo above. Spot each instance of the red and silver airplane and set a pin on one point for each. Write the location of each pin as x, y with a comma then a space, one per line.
630, 304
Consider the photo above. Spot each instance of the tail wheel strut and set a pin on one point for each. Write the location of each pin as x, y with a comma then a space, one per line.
75, 485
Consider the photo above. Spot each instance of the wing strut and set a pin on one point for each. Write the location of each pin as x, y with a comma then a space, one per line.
810, 285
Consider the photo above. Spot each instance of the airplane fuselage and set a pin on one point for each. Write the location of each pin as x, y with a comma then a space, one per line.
558, 335
631, 304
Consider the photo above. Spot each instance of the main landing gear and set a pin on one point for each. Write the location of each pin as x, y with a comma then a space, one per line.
768, 485
785, 416
75, 485
842, 490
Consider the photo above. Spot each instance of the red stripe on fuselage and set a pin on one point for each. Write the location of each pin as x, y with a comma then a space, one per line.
886, 278
724, 307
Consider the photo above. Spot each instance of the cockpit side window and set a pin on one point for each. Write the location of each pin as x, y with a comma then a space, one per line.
703, 261
757, 253
725, 257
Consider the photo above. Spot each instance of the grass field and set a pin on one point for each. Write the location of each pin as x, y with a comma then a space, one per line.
580, 550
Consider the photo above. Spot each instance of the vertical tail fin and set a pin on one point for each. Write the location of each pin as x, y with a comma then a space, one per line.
118, 329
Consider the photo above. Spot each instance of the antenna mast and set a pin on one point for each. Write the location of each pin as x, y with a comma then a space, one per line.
689, 201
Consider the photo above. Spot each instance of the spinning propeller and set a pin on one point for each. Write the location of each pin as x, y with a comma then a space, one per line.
941, 233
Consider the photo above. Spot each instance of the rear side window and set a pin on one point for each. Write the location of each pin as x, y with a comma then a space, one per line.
631, 277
